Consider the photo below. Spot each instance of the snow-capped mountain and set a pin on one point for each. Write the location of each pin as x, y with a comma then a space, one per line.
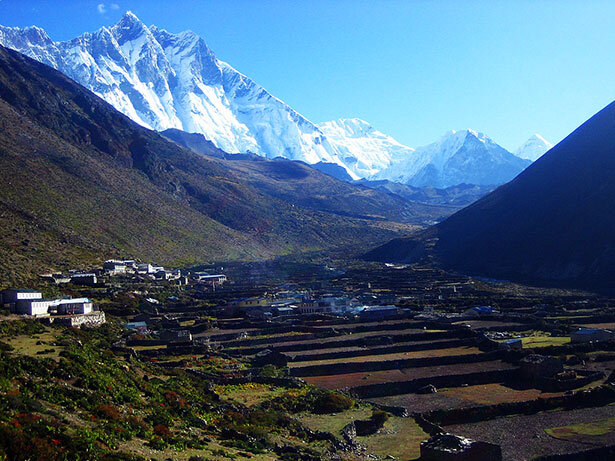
533, 148
362, 148
459, 157
163, 80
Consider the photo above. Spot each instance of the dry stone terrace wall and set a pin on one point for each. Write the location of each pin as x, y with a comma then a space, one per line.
321, 331
428, 345
355, 367
375, 339
585, 399
406, 387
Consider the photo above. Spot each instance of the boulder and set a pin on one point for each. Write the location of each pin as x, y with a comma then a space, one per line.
535, 367
269, 357
428, 389
450, 447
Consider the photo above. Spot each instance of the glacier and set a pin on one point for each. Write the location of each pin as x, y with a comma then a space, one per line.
363, 148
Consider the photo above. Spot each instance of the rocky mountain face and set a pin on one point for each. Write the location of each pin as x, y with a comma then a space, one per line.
163, 80
459, 157
552, 224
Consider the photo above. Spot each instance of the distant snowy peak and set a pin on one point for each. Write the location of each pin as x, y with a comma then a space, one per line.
364, 149
458, 157
533, 148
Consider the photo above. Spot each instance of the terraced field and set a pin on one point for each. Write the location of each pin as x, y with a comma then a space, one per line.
428, 369
462, 350
527, 436
351, 380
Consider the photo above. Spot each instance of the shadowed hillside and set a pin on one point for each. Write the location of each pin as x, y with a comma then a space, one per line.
553, 223
82, 182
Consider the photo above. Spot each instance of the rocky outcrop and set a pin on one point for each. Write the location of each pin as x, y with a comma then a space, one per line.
449, 447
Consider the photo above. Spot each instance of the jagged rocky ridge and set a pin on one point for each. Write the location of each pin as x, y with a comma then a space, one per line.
163, 80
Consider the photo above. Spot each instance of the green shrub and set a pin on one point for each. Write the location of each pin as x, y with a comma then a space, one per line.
332, 402
379, 418
314, 400
160, 415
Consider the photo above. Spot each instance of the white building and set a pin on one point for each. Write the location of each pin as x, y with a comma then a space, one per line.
10, 295
145, 268
74, 306
36, 307
329, 305
174, 274
114, 267
212, 279
31, 302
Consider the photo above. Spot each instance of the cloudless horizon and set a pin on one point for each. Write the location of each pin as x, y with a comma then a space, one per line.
413, 69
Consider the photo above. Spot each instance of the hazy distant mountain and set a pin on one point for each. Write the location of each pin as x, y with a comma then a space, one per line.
455, 197
459, 157
554, 222
533, 148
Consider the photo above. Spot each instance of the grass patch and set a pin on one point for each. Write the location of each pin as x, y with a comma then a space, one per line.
249, 394
334, 423
530, 342
27, 345
582, 431
400, 437
494, 393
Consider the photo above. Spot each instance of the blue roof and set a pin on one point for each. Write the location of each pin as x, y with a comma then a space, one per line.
588, 331
483, 309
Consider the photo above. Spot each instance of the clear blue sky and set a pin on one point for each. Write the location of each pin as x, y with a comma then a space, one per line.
414, 69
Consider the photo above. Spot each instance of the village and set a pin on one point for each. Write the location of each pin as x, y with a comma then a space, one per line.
443, 354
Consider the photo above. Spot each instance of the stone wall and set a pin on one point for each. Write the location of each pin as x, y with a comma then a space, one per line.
596, 397
95, 319
388, 349
357, 367
380, 340
406, 387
